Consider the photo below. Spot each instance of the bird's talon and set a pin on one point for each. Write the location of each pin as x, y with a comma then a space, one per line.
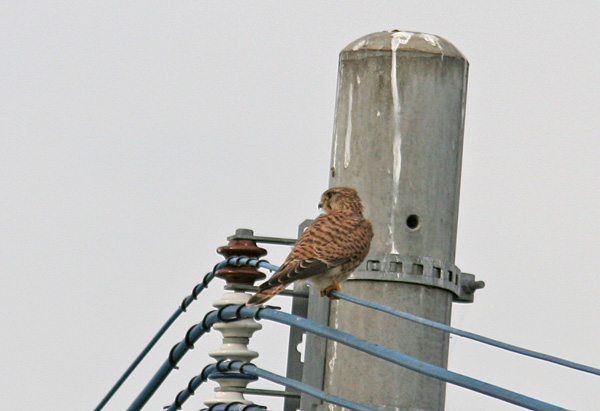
327, 291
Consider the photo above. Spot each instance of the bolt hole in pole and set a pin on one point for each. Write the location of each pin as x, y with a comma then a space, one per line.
413, 222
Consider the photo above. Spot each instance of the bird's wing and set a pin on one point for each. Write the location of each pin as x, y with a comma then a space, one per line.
333, 239
295, 270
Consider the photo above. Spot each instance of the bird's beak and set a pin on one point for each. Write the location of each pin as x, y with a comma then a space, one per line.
320, 206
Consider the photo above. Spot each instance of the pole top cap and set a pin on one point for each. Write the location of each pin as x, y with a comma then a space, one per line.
395, 40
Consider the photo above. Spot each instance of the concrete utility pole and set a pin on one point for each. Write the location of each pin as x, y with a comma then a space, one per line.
398, 140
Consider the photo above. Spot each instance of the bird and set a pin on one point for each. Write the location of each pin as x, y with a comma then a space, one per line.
328, 251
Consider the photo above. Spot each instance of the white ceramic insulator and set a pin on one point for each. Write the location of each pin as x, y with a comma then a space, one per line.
236, 336
229, 396
232, 297
234, 351
237, 329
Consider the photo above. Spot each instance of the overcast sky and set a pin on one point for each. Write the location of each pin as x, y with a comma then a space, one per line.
137, 135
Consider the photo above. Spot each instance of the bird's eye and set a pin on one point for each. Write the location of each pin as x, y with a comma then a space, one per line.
328, 195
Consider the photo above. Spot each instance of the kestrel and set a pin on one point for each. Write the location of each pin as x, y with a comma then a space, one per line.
328, 251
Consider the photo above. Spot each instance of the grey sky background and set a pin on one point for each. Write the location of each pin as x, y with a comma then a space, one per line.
138, 135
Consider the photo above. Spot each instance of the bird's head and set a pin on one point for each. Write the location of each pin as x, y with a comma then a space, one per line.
341, 198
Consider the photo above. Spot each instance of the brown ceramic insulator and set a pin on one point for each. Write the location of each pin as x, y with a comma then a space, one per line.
241, 275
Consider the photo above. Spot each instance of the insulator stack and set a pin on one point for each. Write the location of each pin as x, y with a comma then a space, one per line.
236, 334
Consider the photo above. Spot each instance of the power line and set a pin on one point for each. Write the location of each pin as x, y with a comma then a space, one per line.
186, 302
466, 334
253, 262
194, 383
234, 312
251, 369
406, 361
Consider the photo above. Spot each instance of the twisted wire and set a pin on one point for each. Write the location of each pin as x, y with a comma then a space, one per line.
251, 369
192, 386
239, 261
223, 314
234, 406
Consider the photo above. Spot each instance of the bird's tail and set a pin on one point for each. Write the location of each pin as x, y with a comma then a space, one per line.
263, 296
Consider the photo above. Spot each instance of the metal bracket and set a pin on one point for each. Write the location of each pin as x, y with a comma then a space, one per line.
247, 234
253, 288
394, 267
419, 270
258, 391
